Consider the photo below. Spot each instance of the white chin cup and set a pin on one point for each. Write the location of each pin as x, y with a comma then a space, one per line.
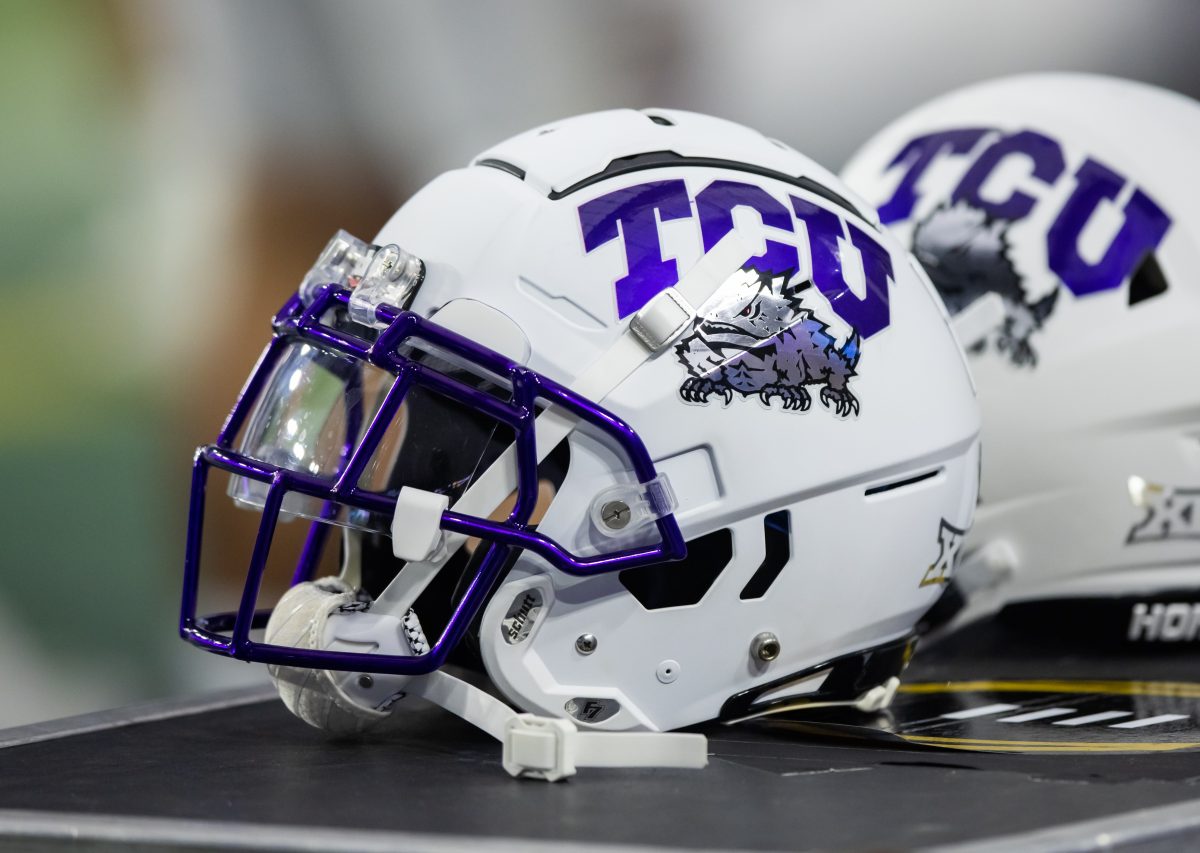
314, 695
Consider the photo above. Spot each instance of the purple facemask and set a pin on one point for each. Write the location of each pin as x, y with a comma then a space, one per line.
335, 421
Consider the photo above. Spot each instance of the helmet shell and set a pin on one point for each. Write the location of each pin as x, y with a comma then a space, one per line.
567, 230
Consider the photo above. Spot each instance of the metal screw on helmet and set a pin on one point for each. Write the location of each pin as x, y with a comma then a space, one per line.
366, 682
615, 514
389, 261
585, 644
765, 647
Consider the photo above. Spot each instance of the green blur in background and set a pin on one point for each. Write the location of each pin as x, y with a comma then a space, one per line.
91, 528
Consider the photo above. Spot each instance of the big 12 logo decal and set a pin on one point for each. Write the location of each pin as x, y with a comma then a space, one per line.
757, 339
963, 243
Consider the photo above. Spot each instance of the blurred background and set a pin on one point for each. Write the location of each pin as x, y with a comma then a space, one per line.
170, 168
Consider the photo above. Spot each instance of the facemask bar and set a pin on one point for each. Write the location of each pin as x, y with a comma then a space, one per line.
298, 321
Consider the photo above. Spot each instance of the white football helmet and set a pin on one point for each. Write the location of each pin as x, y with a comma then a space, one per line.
641, 411
1058, 215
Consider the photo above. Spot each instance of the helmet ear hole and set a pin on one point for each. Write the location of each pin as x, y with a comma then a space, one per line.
683, 582
1147, 280
777, 533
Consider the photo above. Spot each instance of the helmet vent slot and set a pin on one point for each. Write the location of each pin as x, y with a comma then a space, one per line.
683, 582
504, 166
777, 534
1147, 281
904, 483
671, 160
663, 120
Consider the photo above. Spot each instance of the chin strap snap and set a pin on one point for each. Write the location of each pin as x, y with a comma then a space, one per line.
551, 748
535, 747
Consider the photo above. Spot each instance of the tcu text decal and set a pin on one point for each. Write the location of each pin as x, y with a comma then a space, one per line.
633, 214
1144, 222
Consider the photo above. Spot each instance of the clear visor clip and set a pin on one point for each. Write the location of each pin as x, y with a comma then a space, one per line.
376, 275
341, 262
391, 278
625, 508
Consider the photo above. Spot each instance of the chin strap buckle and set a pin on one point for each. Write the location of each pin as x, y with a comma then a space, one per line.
539, 747
550, 749
662, 320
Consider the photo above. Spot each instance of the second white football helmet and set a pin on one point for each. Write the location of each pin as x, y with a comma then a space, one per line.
1059, 216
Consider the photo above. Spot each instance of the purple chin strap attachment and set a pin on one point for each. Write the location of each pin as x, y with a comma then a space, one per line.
229, 633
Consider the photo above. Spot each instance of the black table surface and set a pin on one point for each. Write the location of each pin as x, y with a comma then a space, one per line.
251, 765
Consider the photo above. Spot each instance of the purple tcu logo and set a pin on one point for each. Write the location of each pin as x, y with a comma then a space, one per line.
963, 243
633, 214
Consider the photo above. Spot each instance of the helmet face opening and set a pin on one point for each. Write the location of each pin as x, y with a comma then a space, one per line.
314, 413
334, 427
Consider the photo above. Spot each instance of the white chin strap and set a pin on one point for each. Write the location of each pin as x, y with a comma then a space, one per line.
536, 747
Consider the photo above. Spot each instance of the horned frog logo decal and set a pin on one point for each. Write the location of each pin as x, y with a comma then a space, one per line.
965, 252
756, 339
